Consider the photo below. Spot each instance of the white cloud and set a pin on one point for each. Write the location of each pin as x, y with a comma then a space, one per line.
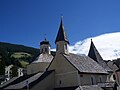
108, 46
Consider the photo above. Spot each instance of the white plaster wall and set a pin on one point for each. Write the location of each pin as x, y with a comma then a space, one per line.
85, 79
66, 79
42, 48
65, 72
20, 72
60, 46
46, 84
118, 77
37, 67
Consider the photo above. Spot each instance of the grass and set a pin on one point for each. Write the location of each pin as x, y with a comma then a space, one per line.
20, 54
24, 64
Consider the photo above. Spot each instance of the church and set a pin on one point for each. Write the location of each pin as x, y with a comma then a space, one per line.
62, 70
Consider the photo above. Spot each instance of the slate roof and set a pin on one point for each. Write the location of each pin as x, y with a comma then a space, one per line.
66, 88
35, 58
94, 54
43, 58
117, 62
89, 87
61, 36
106, 84
33, 80
84, 64
23, 83
44, 75
15, 80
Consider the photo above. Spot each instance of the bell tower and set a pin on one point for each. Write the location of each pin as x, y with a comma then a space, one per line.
61, 41
45, 46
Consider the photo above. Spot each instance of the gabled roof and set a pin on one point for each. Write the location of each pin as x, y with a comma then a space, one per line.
61, 36
94, 54
84, 64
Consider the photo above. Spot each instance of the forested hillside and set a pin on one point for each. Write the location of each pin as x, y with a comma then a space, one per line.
17, 54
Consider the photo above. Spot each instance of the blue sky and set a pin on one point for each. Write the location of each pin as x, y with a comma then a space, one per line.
26, 21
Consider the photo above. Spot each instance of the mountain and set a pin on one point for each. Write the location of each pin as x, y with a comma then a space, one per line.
108, 45
17, 54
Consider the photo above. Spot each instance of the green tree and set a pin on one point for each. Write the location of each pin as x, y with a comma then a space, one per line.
2, 69
14, 71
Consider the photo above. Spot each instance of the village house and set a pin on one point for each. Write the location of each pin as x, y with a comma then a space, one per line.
8, 71
65, 71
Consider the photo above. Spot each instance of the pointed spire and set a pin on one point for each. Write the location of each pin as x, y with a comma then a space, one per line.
61, 36
94, 54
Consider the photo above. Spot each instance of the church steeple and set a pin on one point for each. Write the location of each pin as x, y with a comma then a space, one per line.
61, 40
61, 36
94, 54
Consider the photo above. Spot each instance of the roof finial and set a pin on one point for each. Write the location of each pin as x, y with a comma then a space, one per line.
61, 19
45, 37
61, 16
91, 39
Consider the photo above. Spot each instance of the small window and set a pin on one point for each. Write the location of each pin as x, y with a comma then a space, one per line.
42, 50
57, 47
46, 50
81, 75
60, 82
65, 46
114, 77
100, 79
92, 80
